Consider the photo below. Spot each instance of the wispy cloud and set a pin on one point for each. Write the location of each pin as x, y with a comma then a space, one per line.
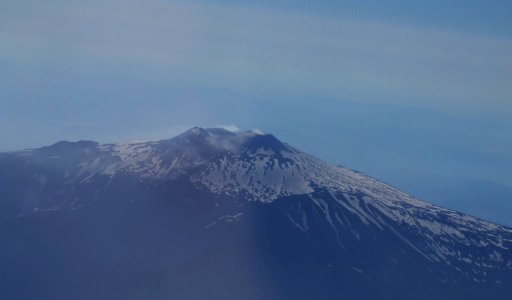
230, 127
206, 45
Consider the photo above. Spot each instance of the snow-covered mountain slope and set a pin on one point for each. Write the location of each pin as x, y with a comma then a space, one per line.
237, 178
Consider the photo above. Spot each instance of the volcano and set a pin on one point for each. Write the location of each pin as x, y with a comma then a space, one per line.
215, 214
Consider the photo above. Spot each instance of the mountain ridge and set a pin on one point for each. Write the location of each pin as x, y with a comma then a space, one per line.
232, 182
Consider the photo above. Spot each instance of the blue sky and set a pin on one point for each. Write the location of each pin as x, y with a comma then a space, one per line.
416, 93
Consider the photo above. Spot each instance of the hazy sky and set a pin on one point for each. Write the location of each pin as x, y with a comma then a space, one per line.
418, 93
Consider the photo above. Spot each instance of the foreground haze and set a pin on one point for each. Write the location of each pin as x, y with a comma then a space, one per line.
215, 214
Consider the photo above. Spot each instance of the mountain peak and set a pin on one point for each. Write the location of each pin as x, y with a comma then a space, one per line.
220, 131
228, 176
223, 139
64, 146
265, 141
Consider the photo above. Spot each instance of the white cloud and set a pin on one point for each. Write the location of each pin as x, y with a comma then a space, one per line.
230, 127
257, 131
